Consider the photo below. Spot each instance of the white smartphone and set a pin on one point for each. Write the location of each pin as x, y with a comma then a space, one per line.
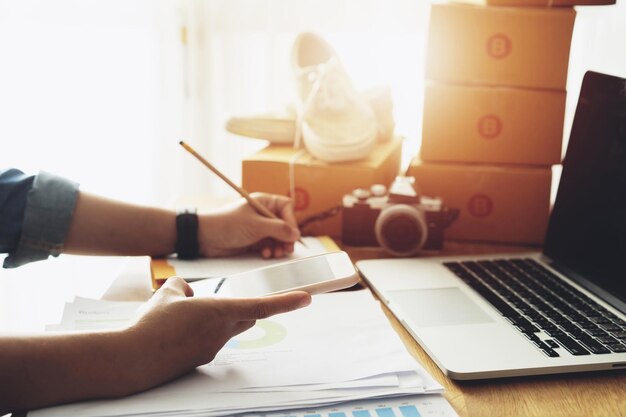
315, 274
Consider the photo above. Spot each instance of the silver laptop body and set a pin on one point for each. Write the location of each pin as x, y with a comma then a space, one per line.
466, 311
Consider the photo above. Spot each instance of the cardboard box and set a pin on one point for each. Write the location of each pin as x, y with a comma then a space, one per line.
319, 186
497, 203
538, 3
492, 125
523, 47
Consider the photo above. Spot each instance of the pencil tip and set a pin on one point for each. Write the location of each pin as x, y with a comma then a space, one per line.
180, 142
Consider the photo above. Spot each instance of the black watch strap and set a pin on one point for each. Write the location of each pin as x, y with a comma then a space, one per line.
187, 234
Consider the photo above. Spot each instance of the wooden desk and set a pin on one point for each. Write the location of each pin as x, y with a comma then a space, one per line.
566, 395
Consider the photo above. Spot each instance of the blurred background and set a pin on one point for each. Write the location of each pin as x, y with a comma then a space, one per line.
102, 91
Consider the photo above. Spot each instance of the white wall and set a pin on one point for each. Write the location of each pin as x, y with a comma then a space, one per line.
79, 87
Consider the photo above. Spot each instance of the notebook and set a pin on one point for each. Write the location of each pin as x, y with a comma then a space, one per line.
561, 310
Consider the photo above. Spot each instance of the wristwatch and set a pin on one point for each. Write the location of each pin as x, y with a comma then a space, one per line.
187, 234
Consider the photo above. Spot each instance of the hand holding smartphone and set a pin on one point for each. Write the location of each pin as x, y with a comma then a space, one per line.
315, 275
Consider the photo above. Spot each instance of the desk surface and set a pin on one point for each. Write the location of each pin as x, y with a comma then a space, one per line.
567, 395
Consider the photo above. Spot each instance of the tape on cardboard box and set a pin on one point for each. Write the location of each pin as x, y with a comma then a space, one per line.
505, 204
498, 125
510, 46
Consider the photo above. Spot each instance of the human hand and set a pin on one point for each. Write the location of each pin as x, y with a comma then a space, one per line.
177, 332
238, 227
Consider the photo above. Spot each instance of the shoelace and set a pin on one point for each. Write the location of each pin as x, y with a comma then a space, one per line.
315, 77
328, 92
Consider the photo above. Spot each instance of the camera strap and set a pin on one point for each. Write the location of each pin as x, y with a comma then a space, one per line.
326, 214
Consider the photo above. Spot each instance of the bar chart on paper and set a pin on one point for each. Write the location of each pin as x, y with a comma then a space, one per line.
433, 405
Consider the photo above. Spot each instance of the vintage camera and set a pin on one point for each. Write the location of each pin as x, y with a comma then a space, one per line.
401, 221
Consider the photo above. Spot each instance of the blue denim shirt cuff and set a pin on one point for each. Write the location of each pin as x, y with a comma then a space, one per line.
49, 210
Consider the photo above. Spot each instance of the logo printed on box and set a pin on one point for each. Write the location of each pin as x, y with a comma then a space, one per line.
499, 46
480, 205
489, 126
301, 200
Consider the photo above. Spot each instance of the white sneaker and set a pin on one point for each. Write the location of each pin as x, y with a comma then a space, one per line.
279, 127
335, 123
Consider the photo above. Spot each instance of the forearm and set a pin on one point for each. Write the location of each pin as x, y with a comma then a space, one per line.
38, 371
102, 226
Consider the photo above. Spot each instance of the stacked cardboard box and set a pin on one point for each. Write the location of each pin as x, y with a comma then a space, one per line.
493, 116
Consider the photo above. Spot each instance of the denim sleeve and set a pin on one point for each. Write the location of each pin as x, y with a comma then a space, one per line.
46, 219
14, 188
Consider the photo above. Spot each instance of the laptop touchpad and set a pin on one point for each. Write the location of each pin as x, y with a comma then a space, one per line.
437, 307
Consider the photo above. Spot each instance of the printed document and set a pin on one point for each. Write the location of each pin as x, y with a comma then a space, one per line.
340, 348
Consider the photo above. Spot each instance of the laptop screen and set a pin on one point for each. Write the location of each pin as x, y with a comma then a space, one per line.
587, 230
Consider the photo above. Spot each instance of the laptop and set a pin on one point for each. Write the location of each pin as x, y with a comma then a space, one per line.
562, 310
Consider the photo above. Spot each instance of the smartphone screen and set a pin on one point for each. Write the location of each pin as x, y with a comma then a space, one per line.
301, 273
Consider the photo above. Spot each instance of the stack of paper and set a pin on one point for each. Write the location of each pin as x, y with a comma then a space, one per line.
341, 348
87, 314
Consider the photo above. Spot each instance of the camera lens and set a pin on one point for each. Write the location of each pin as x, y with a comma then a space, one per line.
401, 229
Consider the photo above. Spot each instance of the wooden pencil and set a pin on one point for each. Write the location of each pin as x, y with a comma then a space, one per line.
260, 208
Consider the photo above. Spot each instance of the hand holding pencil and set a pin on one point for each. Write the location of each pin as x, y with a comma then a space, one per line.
263, 222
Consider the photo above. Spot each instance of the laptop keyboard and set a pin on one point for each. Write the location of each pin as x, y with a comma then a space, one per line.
534, 299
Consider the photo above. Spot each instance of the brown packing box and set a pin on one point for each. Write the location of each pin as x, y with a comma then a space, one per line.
497, 203
320, 186
492, 124
545, 3
523, 47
